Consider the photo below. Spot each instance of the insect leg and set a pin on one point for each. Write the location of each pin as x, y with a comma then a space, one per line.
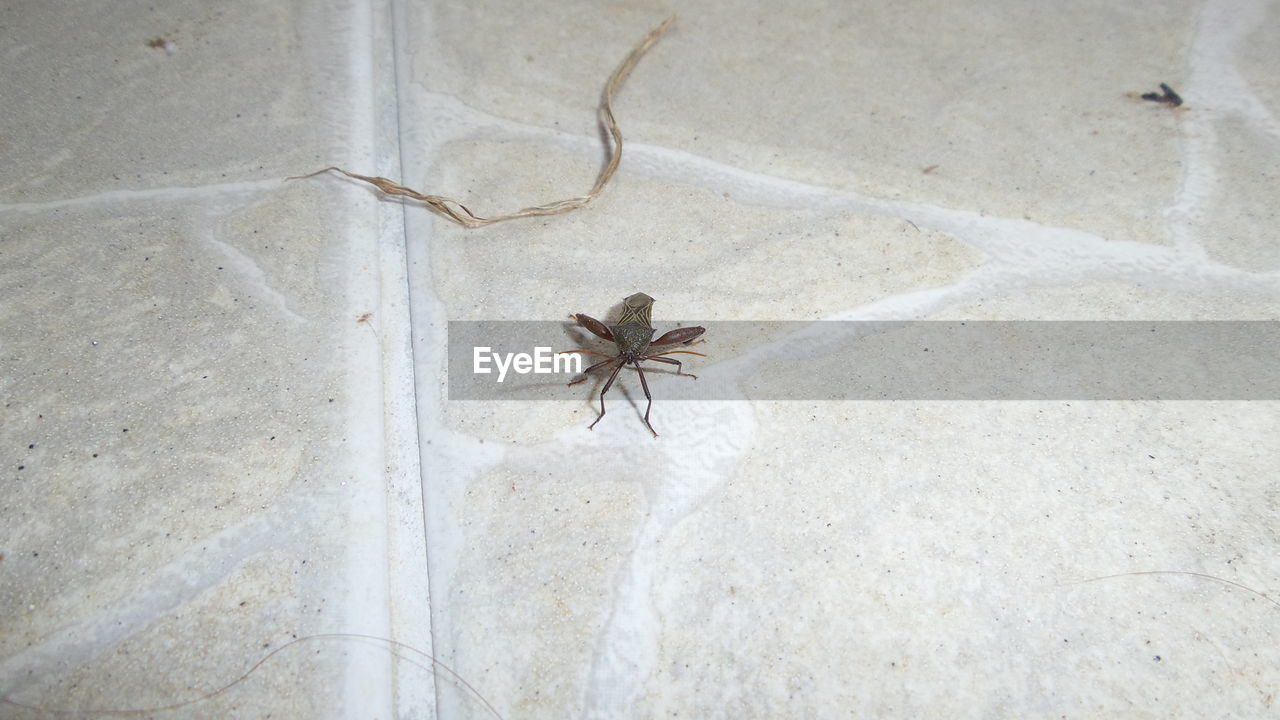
607, 385
596, 327
593, 367
645, 384
656, 358
679, 335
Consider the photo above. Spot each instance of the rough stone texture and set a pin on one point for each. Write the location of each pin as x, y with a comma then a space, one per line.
293, 465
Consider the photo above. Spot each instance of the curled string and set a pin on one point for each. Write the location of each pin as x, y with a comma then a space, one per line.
461, 214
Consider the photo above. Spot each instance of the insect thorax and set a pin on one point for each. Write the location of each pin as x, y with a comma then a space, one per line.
632, 338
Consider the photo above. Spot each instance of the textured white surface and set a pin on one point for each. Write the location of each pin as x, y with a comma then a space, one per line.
293, 466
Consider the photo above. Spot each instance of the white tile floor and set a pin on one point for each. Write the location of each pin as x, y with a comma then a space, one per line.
225, 425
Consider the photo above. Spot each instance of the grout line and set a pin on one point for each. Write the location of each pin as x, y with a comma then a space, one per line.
401, 85
369, 681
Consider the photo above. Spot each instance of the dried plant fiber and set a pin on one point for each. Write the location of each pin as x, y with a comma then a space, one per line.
462, 215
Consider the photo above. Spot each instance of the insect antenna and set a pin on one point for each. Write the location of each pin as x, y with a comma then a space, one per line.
587, 352
672, 352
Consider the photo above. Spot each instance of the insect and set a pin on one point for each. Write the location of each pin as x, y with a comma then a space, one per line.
633, 335
1166, 96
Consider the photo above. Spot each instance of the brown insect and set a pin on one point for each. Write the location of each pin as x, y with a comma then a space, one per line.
632, 335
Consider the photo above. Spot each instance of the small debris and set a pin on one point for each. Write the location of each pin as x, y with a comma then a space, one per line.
160, 42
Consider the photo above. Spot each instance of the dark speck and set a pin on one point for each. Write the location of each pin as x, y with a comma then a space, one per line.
1166, 96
